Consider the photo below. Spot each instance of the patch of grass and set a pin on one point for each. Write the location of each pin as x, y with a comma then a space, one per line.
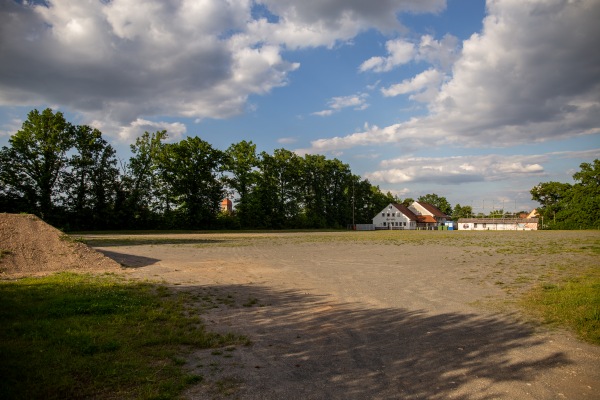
84, 336
251, 302
574, 304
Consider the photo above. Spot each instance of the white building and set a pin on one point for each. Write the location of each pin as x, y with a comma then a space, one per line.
498, 224
429, 216
395, 216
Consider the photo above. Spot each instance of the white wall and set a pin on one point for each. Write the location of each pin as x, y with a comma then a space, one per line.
391, 218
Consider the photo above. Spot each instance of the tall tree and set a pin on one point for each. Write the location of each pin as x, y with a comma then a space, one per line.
551, 196
461, 212
241, 161
194, 168
566, 206
279, 188
143, 183
34, 163
91, 181
439, 201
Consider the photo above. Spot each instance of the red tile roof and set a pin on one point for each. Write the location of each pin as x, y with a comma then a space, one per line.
426, 219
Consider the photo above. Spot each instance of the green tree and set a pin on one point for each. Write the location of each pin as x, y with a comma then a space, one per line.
147, 198
91, 180
279, 189
566, 206
438, 201
35, 161
241, 161
461, 212
551, 196
194, 170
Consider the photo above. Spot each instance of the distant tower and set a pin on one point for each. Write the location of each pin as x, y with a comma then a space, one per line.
226, 206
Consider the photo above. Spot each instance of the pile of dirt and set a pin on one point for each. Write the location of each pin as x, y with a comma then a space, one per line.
29, 246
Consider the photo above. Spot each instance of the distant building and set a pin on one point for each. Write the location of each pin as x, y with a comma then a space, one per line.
418, 215
226, 206
498, 224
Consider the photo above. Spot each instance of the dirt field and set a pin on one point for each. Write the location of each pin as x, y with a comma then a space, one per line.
374, 315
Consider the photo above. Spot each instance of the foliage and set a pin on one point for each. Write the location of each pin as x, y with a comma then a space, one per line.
83, 336
566, 206
33, 166
461, 212
439, 201
68, 175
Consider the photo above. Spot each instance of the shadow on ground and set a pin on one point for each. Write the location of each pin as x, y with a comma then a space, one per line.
305, 346
143, 241
128, 260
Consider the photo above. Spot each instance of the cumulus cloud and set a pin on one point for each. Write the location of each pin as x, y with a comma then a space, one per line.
529, 76
400, 52
356, 101
456, 170
136, 128
326, 22
424, 86
121, 60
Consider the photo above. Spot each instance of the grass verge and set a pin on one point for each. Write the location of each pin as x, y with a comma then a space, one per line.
84, 336
574, 304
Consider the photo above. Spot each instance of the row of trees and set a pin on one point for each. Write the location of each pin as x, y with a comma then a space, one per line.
571, 206
71, 177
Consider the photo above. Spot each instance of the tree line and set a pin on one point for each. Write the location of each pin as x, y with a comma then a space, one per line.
71, 177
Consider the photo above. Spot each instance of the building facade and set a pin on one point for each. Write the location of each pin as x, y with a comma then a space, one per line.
395, 216
498, 224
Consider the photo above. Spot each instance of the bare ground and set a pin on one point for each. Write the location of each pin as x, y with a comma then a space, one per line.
370, 315
353, 315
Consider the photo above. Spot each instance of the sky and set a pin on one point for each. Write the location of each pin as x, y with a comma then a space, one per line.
476, 101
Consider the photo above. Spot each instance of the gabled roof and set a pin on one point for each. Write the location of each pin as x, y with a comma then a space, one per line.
432, 209
406, 211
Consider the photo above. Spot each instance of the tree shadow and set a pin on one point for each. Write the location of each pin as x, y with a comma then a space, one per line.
147, 241
305, 346
128, 260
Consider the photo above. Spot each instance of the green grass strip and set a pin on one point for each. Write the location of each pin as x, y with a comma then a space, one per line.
83, 336
574, 304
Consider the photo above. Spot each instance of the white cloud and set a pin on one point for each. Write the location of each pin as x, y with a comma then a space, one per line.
175, 130
441, 54
425, 86
287, 140
326, 22
357, 101
400, 52
460, 169
119, 60
529, 76
11, 127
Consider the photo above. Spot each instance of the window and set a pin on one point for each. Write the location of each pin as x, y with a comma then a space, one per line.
388, 214
404, 223
383, 214
384, 224
475, 225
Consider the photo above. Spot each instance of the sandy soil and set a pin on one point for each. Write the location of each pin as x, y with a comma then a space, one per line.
427, 316
29, 247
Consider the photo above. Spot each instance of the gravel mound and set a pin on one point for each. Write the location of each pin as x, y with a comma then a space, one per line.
29, 246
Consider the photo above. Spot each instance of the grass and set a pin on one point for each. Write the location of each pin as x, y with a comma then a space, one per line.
83, 336
574, 303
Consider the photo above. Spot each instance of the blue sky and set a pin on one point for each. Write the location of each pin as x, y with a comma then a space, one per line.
474, 101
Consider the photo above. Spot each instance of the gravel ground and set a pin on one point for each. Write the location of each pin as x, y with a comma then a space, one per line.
369, 315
